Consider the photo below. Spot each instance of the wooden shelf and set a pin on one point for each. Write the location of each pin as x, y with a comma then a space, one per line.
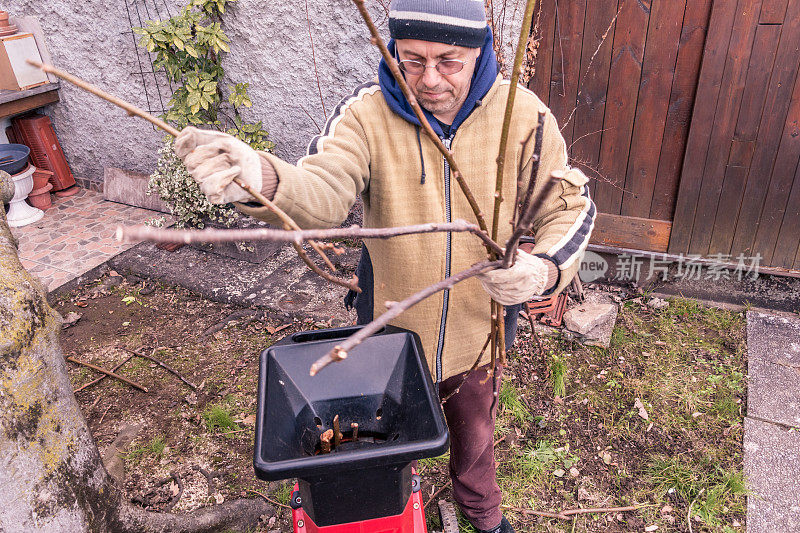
15, 102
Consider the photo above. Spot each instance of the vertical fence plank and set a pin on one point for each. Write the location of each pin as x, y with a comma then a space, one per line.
658, 71
779, 188
773, 11
567, 63
681, 104
626, 70
714, 56
788, 249
762, 61
592, 88
779, 94
546, 19
727, 113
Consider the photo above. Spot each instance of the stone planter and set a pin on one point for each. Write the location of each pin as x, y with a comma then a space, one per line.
253, 252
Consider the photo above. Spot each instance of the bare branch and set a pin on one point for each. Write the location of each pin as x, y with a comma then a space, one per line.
568, 514
149, 233
161, 364
314, 60
341, 351
378, 41
263, 200
107, 372
512, 93
475, 365
591, 60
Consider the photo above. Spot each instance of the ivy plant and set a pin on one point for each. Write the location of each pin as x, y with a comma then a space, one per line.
189, 49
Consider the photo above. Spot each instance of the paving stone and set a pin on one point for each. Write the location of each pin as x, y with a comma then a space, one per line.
773, 338
771, 459
773, 354
74, 236
773, 392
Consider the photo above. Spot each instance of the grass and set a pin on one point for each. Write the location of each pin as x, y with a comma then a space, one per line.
218, 418
558, 370
512, 404
686, 364
153, 449
712, 491
283, 493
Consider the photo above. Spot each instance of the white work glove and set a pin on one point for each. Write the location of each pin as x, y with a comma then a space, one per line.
519, 283
214, 159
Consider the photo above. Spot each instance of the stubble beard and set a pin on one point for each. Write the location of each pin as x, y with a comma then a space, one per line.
440, 105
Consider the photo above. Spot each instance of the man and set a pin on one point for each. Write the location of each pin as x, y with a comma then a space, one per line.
372, 146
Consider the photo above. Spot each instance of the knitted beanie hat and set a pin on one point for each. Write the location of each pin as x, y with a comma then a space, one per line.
455, 22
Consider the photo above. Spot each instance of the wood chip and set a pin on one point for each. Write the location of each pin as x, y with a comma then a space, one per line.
642, 411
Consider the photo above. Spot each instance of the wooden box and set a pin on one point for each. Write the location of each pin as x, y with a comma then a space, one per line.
15, 73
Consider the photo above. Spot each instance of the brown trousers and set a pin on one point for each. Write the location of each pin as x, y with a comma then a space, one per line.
470, 415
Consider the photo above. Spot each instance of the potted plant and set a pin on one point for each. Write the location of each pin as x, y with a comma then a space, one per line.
188, 48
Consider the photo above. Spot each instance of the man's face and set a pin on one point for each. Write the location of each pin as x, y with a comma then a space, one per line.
442, 95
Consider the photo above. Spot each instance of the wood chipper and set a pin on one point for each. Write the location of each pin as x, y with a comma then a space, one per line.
351, 433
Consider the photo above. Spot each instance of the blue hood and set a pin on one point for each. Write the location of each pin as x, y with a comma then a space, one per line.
482, 80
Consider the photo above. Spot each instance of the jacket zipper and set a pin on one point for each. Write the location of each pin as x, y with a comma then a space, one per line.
448, 243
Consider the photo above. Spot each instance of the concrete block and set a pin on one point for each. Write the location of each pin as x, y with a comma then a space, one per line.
773, 392
601, 335
771, 459
130, 188
773, 338
773, 355
588, 316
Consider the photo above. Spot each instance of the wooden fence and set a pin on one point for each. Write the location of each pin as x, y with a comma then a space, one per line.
685, 113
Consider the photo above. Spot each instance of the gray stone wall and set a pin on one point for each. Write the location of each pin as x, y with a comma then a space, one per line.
270, 49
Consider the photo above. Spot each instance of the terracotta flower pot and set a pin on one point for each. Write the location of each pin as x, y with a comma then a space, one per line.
4, 18
69, 191
40, 178
40, 198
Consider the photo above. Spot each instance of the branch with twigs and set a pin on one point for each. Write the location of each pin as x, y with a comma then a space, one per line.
569, 513
132, 110
341, 351
149, 233
523, 200
412, 100
524, 209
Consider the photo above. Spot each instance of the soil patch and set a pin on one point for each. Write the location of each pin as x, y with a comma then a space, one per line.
654, 420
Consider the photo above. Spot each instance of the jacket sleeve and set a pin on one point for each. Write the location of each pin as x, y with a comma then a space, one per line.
564, 224
320, 189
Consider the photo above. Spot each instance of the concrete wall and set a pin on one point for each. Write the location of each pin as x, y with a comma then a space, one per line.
270, 49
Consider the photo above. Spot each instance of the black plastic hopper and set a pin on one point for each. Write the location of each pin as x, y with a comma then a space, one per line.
384, 386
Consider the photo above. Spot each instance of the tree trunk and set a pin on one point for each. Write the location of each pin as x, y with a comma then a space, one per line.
51, 475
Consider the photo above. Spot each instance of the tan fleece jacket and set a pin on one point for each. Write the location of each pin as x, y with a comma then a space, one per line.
367, 149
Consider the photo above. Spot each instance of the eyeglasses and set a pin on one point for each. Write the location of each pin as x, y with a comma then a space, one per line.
446, 67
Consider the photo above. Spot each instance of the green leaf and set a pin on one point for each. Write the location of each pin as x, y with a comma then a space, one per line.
222, 45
